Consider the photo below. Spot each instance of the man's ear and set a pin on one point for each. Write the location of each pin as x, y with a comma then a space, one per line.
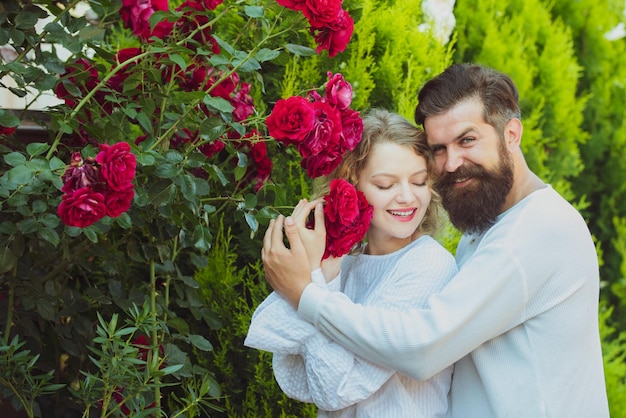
513, 133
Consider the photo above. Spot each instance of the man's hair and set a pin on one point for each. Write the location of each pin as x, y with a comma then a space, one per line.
459, 82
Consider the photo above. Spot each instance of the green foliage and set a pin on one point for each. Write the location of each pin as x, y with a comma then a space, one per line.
603, 179
245, 374
392, 57
57, 282
20, 379
538, 54
614, 355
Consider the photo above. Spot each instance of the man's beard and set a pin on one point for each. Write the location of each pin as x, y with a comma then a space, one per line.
475, 207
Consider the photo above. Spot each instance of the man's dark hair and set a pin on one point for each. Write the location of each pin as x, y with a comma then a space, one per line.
495, 90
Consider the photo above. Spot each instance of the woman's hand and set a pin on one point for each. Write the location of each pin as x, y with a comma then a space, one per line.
314, 240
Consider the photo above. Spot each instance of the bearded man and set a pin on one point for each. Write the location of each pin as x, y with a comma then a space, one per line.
519, 321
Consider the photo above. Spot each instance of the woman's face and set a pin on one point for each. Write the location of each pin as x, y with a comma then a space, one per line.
395, 182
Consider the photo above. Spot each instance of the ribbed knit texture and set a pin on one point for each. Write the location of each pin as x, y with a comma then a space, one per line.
519, 321
310, 367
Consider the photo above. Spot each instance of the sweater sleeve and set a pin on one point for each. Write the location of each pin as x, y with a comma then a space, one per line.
307, 365
485, 299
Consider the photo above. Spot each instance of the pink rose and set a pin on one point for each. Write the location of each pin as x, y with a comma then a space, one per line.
118, 201
347, 216
351, 129
117, 165
338, 91
321, 13
291, 120
334, 38
326, 132
82, 208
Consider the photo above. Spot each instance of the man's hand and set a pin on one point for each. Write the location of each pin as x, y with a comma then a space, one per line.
287, 270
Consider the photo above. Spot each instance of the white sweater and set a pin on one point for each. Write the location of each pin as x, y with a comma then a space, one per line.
310, 367
519, 320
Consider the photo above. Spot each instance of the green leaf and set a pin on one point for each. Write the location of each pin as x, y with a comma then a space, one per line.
124, 221
180, 61
253, 11
251, 200
50, 235
8, 260
179, 324
36, 148
218, 104
91, 234
57, 164
187, 186
166, 171
266, 54
202, 238
91, 33
300, 50
145, 122
251, 221
200, 342
173, 369
39, 206
15, 159
173, 156
27, 18
162, 192
28, 226
8, 120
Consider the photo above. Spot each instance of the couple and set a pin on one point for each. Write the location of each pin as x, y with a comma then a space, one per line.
512, 333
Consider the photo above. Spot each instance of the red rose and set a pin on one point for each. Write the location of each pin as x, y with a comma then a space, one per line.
82, 207
334, 38
202, 5
243, 103
84, 76
322, 164
117, 81
6, 130
292, 4
291, 120
347, 216
80, 174
117, 165
118, 201
351, 129
338, 91
321, 13
136, 15
326, 132
212, 148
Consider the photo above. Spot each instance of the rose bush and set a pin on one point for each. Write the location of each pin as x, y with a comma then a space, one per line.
159, 136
